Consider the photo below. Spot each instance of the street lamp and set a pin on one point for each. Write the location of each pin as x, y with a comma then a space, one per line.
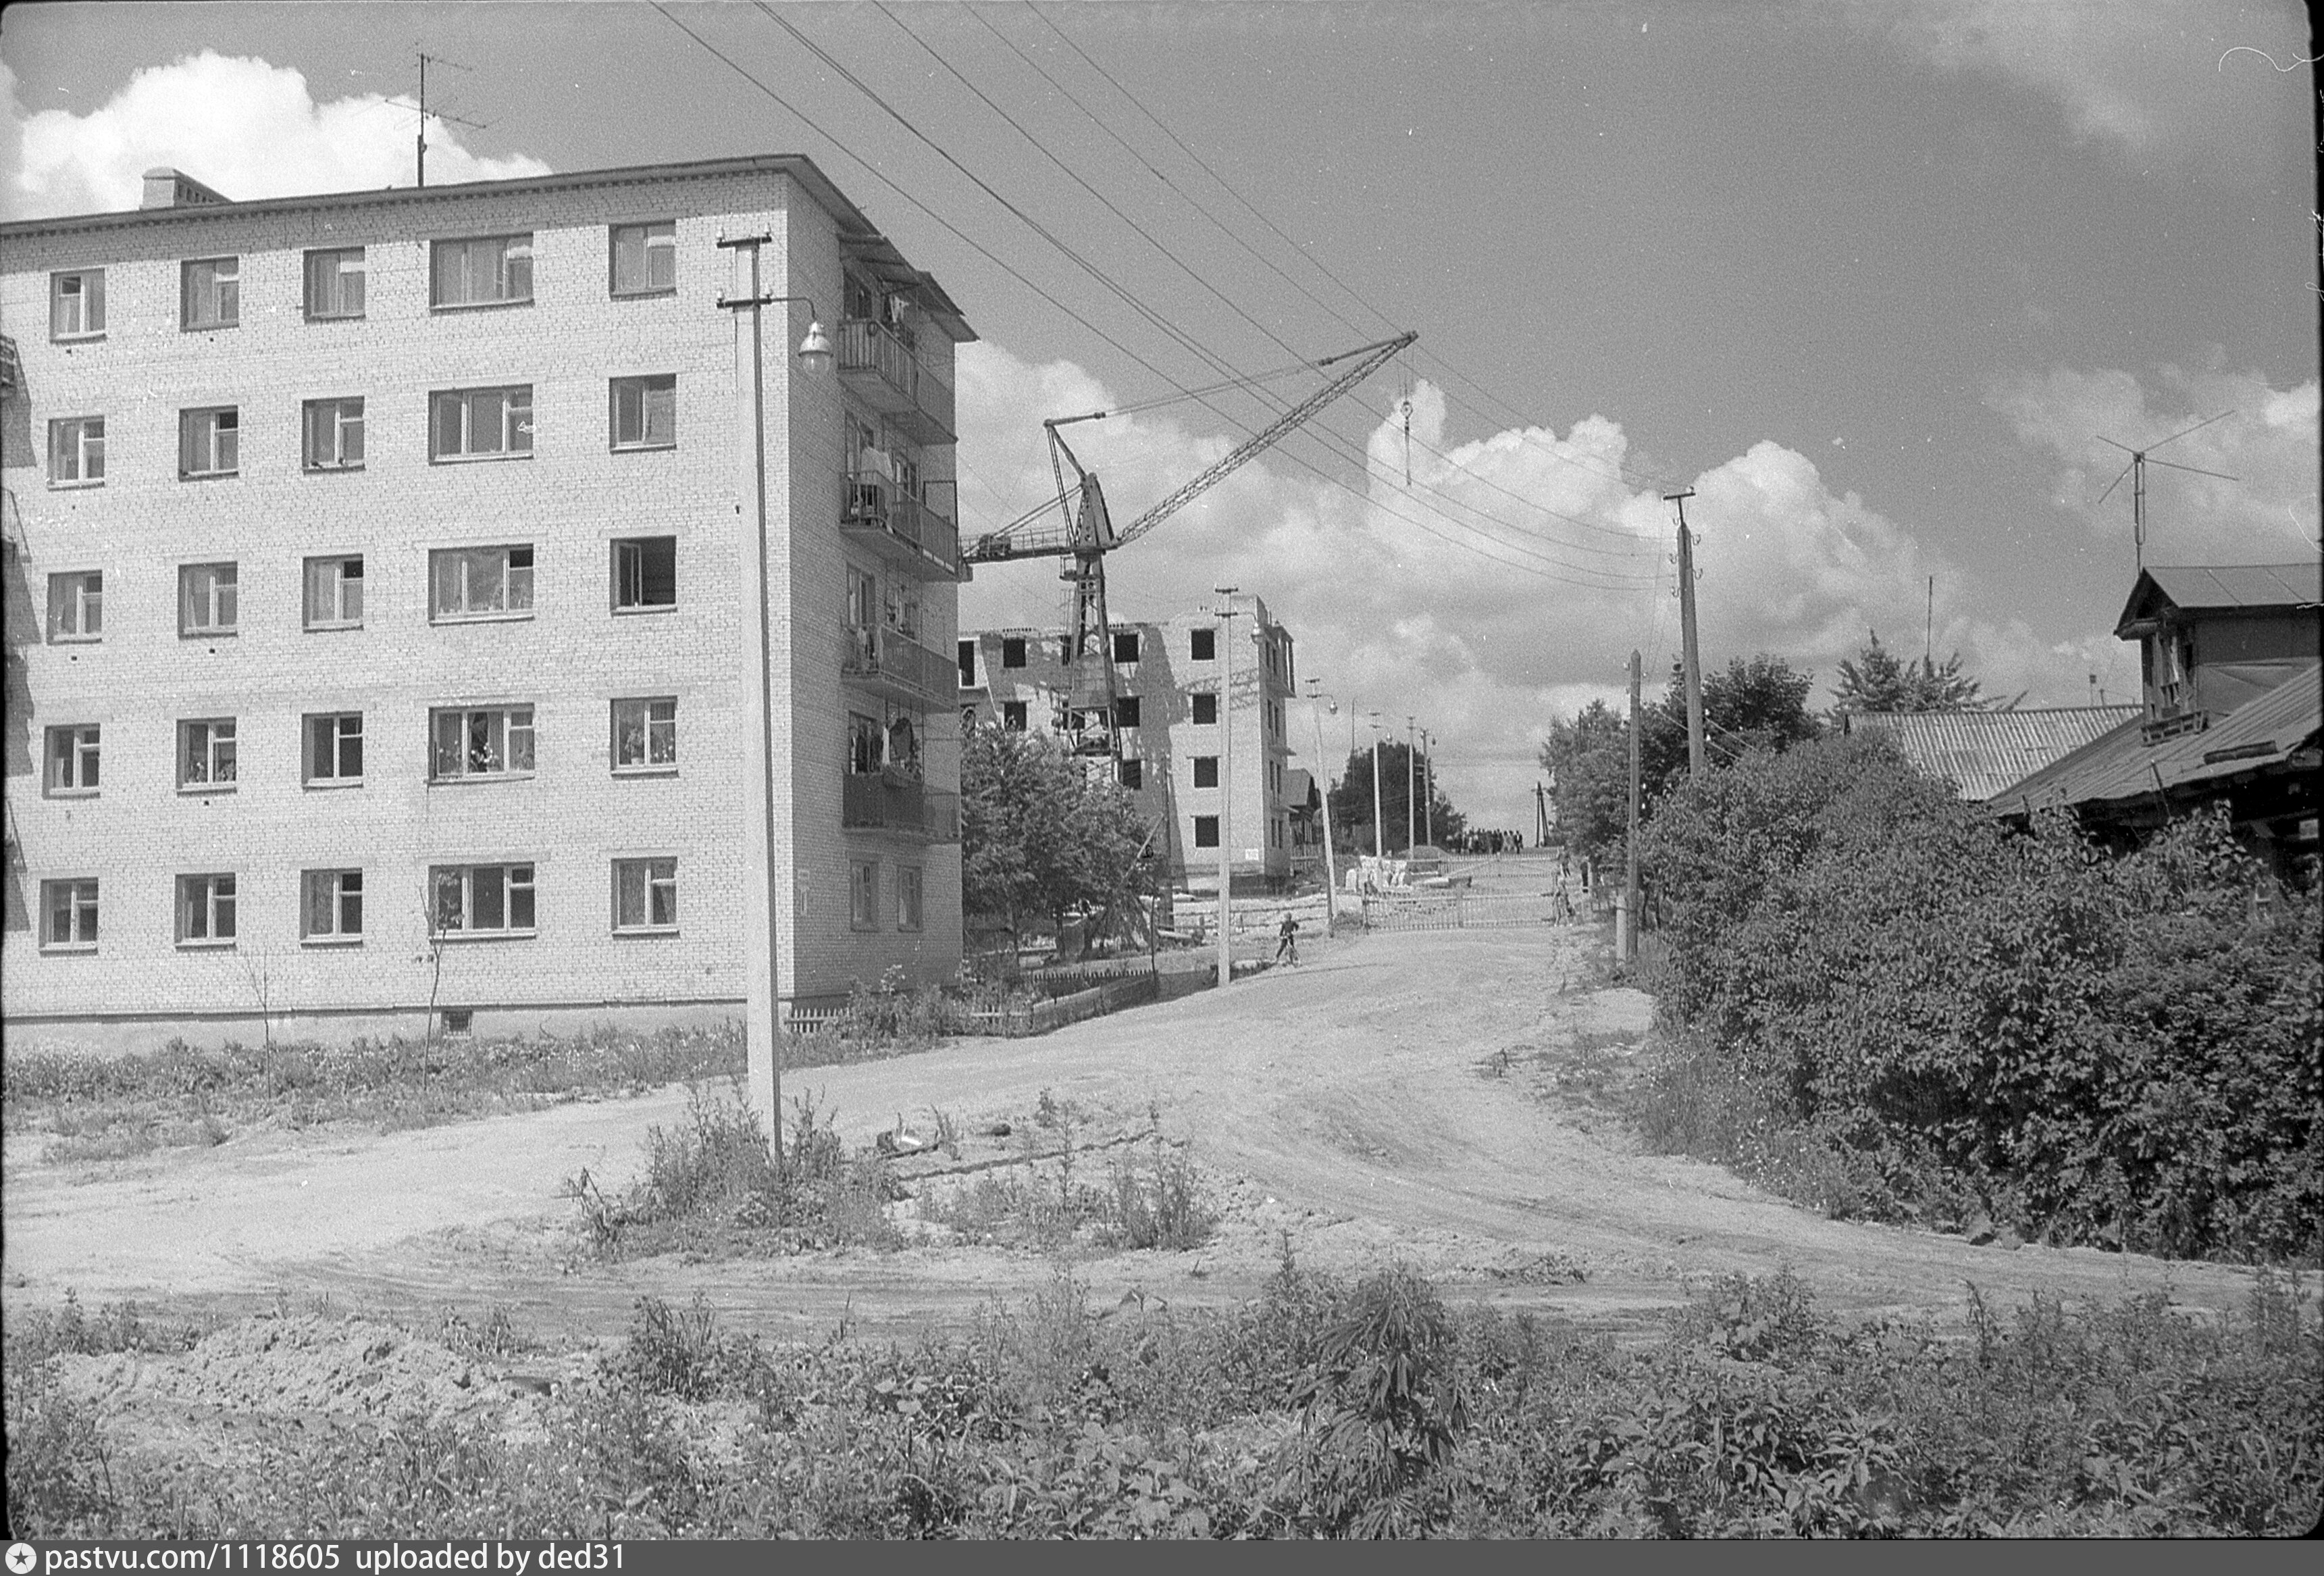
1318, 701
763, 1040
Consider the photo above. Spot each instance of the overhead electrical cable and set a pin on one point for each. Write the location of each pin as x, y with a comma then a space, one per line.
1009, 269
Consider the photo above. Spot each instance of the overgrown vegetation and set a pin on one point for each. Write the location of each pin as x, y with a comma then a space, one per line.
1323, 1408
108, 1106
1879, 1001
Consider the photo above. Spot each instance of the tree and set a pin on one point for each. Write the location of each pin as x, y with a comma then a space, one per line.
1877, 681
1040, 833
1352, 801
1757, 703
1587, 761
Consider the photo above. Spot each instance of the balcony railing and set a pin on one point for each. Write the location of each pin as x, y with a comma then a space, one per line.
884, 371
874, 803
893, 662
874, 504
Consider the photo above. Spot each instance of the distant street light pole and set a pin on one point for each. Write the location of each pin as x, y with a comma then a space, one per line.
1411, 790
1380, 835
1318, 700
1226, 783
1428, 786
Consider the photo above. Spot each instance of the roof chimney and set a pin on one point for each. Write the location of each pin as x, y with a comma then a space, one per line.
174, 189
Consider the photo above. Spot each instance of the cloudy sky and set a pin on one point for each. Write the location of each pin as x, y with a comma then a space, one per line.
1873, 280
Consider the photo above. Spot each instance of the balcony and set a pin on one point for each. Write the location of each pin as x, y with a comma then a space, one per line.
887, 375
873, 803
919, 534
889, 662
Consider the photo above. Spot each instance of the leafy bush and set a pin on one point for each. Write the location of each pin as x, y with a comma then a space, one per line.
1878, 998
1322, 1408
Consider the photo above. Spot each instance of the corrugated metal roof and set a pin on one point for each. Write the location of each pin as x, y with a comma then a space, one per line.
2121, 767
1983, 752
2223, 585
1298, 787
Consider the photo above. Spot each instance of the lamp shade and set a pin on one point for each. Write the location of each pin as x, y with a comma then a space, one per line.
815, 351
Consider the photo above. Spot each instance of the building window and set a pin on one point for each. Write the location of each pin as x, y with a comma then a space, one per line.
645, 734
456, 1023
1012, 714
1133, 774
1126, 711
335, 593
77, 304
482, 899
330, 905
645, 259
481, 582
863, 894
205, 910
77, 451
910, 907
1206, 831
335, 749
645, 573
645, 894
335, 434
77, 606
209, 443
967, 657
206, 753
479, 742
211, 297
1013, 651
1206, 771
335, 283
645, 413
1125, 646
864, 739
1204, 647
68, 914
1206, 708
207, 599
480, 424
490, 271
73, 755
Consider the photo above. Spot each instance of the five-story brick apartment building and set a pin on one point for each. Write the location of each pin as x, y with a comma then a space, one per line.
1173, 735
381, 625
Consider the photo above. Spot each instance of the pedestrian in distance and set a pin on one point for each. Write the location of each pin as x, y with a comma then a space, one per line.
1286, 941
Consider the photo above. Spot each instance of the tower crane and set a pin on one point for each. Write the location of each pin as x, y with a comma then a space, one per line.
1087, 534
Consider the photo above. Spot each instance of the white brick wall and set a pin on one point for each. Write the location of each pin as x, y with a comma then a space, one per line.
569, 660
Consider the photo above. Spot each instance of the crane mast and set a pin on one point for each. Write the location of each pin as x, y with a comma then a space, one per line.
1086, 534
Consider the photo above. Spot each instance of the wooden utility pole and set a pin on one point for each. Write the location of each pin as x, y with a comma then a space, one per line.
1694, 660
1411, 790
1428, 788
1626, 936
1226, 783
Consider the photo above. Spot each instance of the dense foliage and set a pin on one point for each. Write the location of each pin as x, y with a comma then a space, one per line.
1876, 679
1401, 766
1323, 1408
1755, 704
1040, 833
1877, 990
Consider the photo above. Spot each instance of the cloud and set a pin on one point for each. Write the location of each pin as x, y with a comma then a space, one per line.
1505, 584
2149, 77
250, 129
2270, 444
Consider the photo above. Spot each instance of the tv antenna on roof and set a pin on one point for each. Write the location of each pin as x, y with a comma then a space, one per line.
422, 140
2136, 471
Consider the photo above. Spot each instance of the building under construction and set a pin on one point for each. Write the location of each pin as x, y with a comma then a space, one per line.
1193, 783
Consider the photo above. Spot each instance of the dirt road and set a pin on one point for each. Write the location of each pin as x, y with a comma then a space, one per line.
1397, 1095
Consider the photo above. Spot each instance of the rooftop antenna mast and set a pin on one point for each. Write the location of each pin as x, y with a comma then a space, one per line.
2136, 471
422, 140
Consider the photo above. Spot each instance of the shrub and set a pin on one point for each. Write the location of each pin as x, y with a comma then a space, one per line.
1881, 1000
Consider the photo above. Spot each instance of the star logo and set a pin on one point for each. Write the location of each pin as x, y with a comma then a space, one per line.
22, 1559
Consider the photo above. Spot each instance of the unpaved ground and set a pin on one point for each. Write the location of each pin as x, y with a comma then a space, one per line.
1412, 1096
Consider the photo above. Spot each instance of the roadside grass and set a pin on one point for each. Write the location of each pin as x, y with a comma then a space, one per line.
99, 1108
1325, 1408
